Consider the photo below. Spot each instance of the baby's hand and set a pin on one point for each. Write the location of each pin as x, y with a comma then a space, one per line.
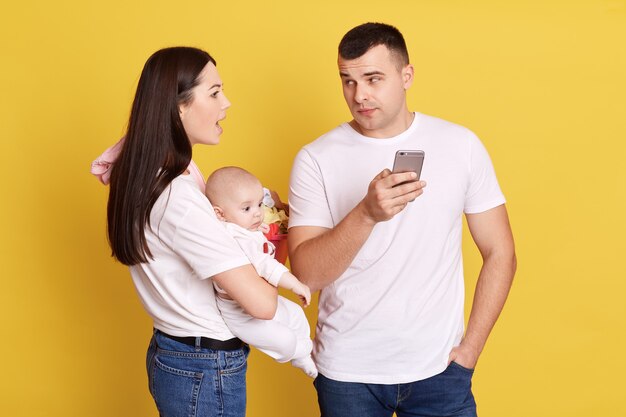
290, 282
264, 228
303, 292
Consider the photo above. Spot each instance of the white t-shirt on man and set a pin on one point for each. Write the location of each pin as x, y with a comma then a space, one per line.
396, 313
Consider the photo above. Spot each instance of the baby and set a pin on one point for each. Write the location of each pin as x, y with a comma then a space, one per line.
237, 198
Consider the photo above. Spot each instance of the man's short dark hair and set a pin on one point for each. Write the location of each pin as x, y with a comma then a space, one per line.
362, 38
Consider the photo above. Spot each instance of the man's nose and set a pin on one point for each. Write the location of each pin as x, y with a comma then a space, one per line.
361, 93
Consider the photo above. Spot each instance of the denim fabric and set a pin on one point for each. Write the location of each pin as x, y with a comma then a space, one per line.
188, 381
443, 395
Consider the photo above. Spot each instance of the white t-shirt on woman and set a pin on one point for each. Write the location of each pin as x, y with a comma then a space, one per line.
189, 245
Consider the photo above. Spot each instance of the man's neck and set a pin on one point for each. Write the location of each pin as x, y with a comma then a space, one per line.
401, 126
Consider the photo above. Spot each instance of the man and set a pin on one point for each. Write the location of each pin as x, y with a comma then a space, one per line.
386, 254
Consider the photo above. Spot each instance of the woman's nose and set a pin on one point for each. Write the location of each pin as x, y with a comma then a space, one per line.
225, 102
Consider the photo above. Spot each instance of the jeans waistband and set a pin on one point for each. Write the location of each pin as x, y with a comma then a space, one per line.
207, 342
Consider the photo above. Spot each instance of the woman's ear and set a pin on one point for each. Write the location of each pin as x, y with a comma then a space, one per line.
182, 109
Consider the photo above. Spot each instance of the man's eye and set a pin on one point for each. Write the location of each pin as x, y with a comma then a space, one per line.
374, 79
349, 82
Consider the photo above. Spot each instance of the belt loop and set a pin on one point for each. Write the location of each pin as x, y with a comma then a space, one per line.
198, 343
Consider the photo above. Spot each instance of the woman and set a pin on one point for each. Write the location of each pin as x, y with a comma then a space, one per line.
162, 226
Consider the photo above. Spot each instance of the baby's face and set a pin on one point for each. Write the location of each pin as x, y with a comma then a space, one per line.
244, 208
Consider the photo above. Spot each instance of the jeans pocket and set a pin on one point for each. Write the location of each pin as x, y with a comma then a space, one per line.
235, 361
175, 391
458, 399
232, 379
462, 368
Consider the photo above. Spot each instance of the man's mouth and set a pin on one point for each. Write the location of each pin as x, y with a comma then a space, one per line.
366, 111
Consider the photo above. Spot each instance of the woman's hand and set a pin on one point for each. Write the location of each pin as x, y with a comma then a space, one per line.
278, 203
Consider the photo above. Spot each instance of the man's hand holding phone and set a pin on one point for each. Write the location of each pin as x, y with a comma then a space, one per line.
389, 193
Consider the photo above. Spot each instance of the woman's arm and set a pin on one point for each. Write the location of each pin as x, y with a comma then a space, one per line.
253, 293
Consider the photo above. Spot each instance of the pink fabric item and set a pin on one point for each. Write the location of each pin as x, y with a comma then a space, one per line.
197, 175
101, 167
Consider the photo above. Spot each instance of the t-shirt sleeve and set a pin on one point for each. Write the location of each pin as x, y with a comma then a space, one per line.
483, 191
205, 245
265, 265
308, 205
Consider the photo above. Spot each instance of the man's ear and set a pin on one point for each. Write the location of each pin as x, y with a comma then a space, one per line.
408, 74
219, 213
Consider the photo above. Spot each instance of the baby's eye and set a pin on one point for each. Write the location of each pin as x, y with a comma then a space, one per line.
260, 204
246, 208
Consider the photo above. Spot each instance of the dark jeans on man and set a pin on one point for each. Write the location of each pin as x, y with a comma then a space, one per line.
448, 394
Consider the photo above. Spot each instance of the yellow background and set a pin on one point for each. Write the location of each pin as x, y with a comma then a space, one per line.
542, 83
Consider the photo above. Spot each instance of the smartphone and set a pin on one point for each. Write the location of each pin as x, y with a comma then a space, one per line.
406, 161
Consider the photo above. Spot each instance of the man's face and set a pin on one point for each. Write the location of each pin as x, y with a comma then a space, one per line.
375, 91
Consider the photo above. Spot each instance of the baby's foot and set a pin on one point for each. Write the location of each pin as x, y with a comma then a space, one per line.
307, 365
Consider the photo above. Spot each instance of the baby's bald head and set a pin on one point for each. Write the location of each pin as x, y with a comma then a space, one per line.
224, 183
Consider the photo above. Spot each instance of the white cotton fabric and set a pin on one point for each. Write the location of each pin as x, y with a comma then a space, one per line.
287, 335
396, 313
189, 245
252, 243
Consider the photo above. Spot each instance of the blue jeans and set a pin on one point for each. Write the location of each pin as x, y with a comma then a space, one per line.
188, 381
446, 394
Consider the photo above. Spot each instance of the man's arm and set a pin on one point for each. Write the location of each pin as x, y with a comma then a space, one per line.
318, 255
492, 234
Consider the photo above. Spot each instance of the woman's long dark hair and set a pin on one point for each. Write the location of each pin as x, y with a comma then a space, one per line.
156, 149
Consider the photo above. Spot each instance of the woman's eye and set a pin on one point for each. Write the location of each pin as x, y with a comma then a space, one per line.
214, 95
